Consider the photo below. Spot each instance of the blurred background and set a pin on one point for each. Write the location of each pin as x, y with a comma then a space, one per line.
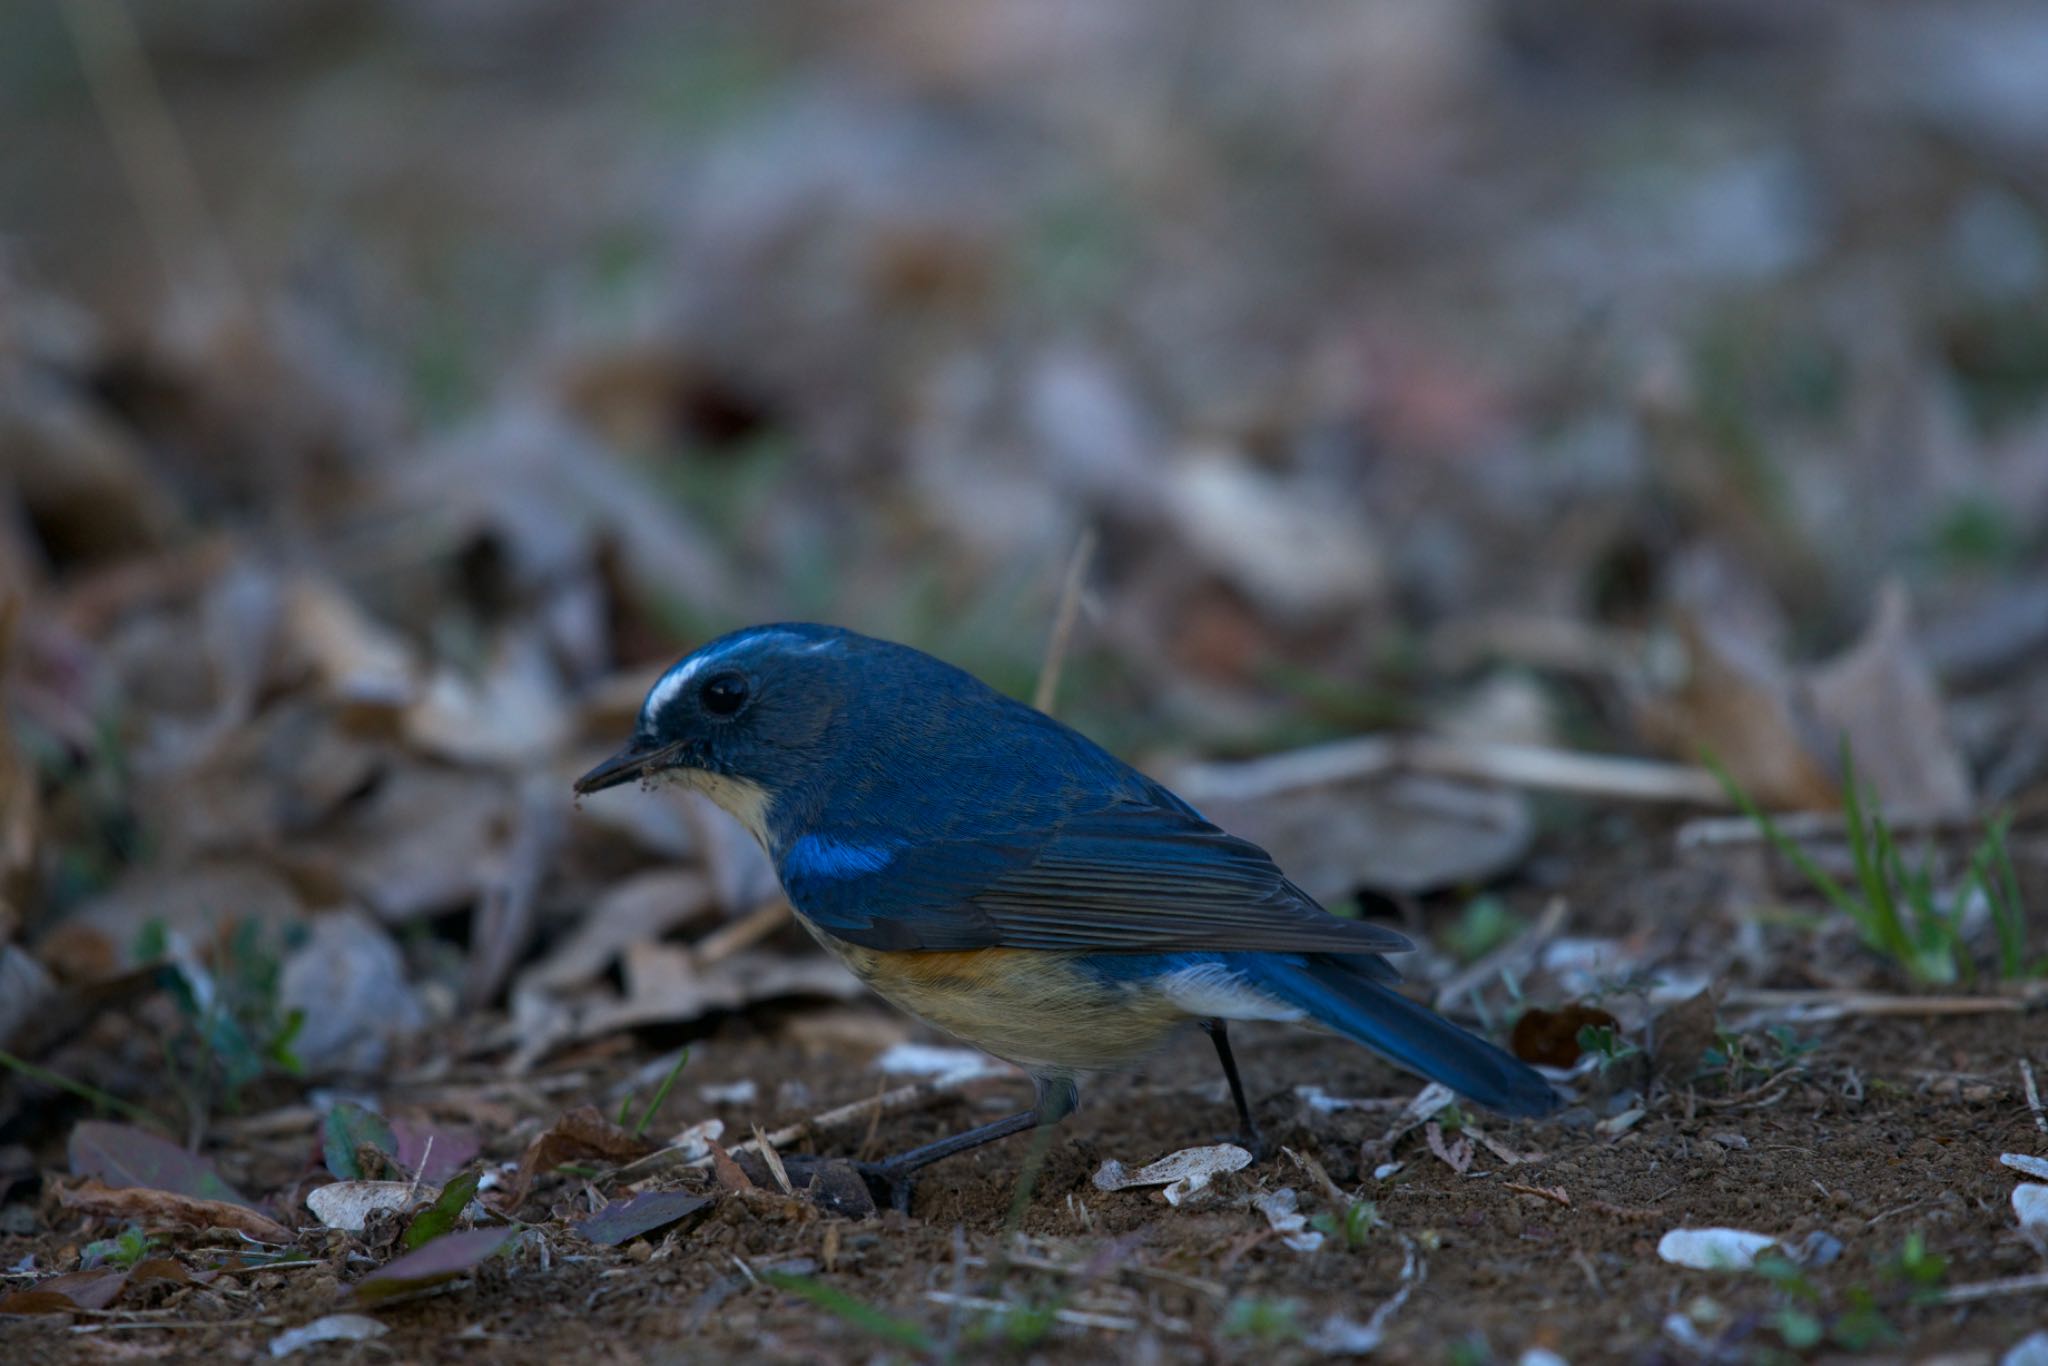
388, 391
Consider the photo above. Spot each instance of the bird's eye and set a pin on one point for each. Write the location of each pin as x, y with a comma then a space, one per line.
724, 695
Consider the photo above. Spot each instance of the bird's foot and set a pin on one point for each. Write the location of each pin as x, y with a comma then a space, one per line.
890, 1185
843, 1186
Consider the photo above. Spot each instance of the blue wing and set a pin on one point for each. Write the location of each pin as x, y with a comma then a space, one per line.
1135, 876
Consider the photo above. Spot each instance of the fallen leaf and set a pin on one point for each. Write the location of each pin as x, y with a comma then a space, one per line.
1403, 833
1281, 1208
62, 1294
349, 1129
1683, 1034
332, 1328
1740, 705
1457, 1156
638, 909
1713, 1249
1779, 731
438, 1218
37, 1302
582, 1132
1285, 543
727, 1172
157, 1208
349, 982
1551, 1037
1881, 694
123, 1155
348, 1205
431, 1152
441, 1260
160, 1269
623, 1220
1182, 1173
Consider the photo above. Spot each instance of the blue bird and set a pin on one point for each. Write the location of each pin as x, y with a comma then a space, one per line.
997, 874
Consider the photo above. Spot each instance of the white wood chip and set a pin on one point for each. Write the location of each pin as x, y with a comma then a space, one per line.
348, 1205
333, 1328
1713, 1249
2030, 1203
2026, 1162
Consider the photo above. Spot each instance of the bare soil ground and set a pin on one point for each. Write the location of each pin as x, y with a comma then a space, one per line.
1886, 1127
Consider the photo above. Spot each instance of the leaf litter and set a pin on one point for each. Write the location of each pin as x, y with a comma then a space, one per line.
282, 646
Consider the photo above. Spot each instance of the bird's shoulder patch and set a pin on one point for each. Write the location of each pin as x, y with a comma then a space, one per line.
825, 856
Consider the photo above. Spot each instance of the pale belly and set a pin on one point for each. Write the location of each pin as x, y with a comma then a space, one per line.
1033, 1008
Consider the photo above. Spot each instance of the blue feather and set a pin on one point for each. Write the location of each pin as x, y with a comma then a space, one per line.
1398, 1029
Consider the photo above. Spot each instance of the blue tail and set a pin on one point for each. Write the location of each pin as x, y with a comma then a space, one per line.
1398, 1029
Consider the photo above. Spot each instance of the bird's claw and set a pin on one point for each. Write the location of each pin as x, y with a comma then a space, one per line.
854, 1189
890, 1185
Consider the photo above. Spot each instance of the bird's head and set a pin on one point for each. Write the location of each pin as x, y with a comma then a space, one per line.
746, 718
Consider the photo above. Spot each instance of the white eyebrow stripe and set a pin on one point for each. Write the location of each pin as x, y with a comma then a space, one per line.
678, 678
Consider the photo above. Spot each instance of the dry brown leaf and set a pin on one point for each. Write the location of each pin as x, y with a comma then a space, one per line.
1407, 833
1738, 705
727, 1172
158, 1209
1780, 732
1882, 695
357, 661
1683, 1034
635, 910
582, 1132
62, 1294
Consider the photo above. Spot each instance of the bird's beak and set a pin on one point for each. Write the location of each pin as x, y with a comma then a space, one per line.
628, 764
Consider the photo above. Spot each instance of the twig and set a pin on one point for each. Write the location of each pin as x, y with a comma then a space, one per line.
1714, 832
1831, 1005
83, 1091
1116, 1323
888, 1102
749, 930
773, 1160
1047, 691
152, 154
1370, 756
1984, 1290
1523, 947
2033, 1095
509, 910
1414, 1271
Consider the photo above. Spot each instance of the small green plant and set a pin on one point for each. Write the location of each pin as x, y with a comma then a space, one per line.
1451, 1119
1484, 924
660, 1094
121, 1252
234, 1028
856, 1312
1470, 1350
1016, 1325
1739, 1057
1263, 1319
1895, 906
1804, 1321
1604, 1043
1354, 1223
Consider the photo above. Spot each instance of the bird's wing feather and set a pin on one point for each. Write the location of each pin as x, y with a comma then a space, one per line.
1131, 877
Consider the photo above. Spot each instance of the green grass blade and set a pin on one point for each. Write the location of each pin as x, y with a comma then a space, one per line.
857, 1312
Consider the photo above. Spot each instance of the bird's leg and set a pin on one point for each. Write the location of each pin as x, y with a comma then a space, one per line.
892, 1178
1248, 1128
